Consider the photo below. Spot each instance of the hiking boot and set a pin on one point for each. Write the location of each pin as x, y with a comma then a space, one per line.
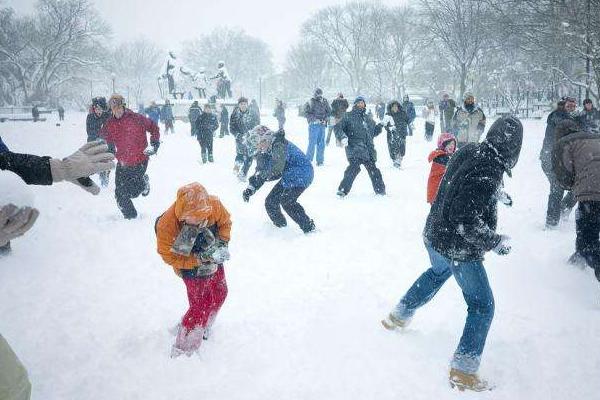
146, 191
341, 194
463, 381
310, 228
391, 323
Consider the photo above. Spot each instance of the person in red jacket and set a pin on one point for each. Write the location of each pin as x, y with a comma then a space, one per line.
439, 158
126, 130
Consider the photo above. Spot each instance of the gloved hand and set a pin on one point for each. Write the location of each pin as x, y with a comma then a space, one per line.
90, 159
15, 221
153, 150
344, 142
503, 247
217, 253
504, 198
249, 191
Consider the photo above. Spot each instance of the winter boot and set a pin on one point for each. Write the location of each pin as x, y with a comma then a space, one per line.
463, 381
392, 323
5, 250
578, 260
203, 158
398, 162
310, 228
341, 194
146, 190
210, 158
187, 342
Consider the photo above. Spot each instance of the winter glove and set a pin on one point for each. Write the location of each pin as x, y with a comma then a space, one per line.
505, 198
217, 253
153, 150
503, 247
248, 192
15, 221
344, 142
90, 159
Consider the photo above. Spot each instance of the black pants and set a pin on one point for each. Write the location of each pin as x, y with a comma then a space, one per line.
353, 170
587, 224
288, 199
396, 145
130, 183
224, 129
206, 146
429, 131
241, 156
558, 202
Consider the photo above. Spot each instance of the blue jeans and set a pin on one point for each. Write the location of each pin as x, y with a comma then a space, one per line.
472, 279
316, 137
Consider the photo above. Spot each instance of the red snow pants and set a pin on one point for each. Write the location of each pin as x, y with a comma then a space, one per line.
206, 296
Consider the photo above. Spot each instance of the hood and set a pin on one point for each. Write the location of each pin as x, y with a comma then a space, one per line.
444, 138
389, 106
192, 201
506, 137
436, 153
565, 128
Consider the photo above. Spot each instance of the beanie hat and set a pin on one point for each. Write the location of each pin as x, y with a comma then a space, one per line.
360, 98
259, 134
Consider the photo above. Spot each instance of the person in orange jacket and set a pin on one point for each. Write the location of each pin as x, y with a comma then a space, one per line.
192, 237
446, 146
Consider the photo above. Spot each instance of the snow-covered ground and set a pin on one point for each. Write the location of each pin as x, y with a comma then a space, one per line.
87, 303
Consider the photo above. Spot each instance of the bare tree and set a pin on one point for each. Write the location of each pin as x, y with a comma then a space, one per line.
459, 28
348, 33
55, 47
247, 58
138, 63
307, 66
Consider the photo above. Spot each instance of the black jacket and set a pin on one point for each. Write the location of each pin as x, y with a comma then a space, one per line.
224, 116
317, 110
360, 129
554, 118
339, 107
589, 121
93, 124
206, 125
193, 115
400, 120
34, 170
242, 122
461, 224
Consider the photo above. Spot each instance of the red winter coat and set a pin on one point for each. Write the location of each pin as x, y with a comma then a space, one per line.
128, 134
438, 159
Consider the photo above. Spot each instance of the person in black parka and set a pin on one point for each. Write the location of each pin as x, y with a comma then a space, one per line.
355, 132
193, 114
460, 229
558, 202
395, 123
240, 123
224, 117
206, 125
96, 118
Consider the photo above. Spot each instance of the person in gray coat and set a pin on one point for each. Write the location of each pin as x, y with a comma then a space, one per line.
576, 164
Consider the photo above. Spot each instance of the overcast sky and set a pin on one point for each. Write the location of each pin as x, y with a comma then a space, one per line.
169, 22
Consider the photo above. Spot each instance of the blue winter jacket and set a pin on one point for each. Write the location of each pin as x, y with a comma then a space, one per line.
153, 113
285, 161
409, 107
166, 113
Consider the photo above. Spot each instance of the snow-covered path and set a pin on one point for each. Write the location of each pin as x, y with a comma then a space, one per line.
86, 302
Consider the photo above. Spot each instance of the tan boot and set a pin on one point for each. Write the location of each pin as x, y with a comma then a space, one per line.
391, 323
463, 381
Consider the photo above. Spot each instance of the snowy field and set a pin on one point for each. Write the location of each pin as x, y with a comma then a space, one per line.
87, 303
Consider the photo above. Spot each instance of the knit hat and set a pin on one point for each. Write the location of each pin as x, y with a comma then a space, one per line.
360, 98
99, 102
258, 135
443, 140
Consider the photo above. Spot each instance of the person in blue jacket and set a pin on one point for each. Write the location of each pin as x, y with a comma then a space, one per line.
278, 158
409, 107
153, 112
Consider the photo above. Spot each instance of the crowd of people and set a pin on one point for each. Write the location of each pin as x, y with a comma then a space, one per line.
464, 186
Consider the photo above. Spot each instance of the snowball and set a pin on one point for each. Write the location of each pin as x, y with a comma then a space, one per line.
14, 190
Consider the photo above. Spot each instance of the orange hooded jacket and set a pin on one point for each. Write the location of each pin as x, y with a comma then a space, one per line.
192, 201
436, 175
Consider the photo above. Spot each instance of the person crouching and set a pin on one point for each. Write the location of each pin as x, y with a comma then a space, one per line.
278, 158
192, 237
